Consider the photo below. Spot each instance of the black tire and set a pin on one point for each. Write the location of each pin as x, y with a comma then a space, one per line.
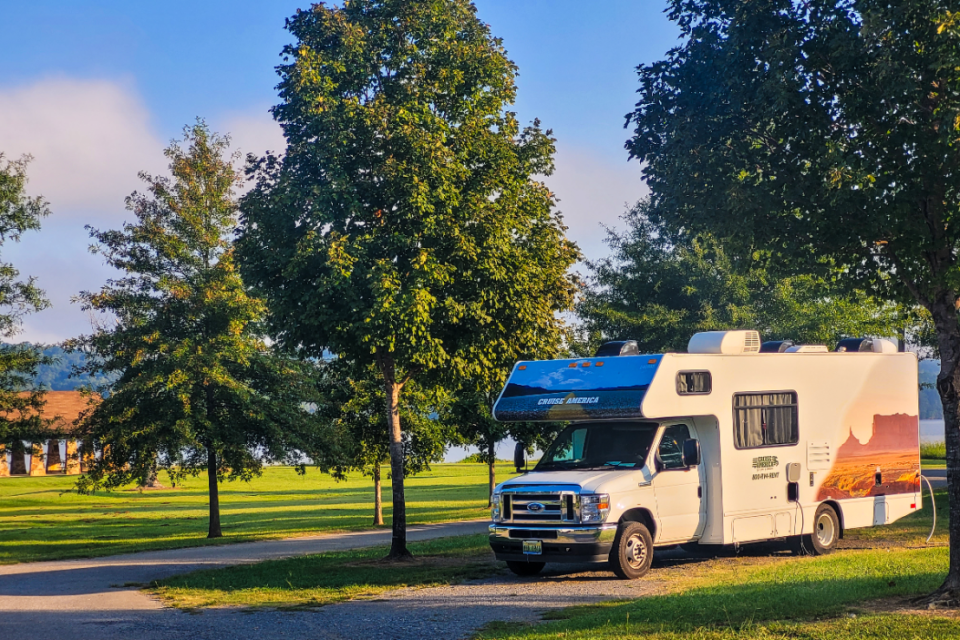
826, 532
522, 568
632, 552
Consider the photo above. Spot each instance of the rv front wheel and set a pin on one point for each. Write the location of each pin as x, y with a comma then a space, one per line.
826, 531
632, 552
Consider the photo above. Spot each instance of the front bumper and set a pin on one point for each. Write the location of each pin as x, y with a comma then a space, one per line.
560, 543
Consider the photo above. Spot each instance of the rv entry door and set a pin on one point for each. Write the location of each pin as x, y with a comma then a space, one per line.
677, 488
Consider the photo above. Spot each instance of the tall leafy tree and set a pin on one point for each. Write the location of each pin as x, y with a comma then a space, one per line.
403, 226
824, 132
19, 213
660, 288
196, 388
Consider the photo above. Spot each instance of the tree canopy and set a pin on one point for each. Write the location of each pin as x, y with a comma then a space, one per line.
825, 133
196, 387
404, 226
659, 288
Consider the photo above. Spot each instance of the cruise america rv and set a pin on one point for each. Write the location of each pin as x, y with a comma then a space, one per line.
724, 445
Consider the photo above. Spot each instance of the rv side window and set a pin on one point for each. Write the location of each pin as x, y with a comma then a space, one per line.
690, 383
765, 419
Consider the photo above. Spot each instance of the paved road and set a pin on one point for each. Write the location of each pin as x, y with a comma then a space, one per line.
937, 477
88, 599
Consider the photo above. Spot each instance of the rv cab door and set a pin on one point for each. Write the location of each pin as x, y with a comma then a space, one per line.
677, 487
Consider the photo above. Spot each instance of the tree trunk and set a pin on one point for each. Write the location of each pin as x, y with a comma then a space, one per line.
214, 494
492, 462
944, 311
152, 481
377, 496
398, 545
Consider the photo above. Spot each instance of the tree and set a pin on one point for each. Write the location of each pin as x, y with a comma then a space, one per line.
824, 132
19, 213
352, 397
660, 288
195, 386
403, 226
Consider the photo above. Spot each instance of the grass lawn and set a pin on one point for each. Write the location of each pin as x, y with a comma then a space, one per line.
41, 520
932, 463
713, 598
854, 594
331, 577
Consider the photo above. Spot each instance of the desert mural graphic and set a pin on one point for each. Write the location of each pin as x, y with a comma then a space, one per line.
893, 448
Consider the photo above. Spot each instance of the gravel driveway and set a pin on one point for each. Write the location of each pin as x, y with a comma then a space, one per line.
94, 600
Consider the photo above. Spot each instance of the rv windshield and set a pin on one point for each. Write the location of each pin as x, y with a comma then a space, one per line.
597, 445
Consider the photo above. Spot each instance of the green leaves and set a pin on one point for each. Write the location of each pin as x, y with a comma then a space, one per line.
815, 130
19, 213
405, 214
660, 288
192, 371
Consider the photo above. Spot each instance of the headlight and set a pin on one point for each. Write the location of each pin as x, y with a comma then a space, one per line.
594, 508
495, 507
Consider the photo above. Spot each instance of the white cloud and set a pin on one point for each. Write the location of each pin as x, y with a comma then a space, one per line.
594, 190
89, 138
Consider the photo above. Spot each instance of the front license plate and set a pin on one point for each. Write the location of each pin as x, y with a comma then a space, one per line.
533, 547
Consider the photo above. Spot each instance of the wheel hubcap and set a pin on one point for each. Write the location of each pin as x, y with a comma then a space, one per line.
636, 551
825, 530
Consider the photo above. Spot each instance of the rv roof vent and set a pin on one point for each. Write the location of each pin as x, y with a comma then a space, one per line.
728, 342
870, 345
618, 348
775, 346
808, 348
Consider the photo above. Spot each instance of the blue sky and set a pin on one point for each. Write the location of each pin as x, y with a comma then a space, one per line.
94, 90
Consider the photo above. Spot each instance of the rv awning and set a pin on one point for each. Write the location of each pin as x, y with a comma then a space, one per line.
588, 388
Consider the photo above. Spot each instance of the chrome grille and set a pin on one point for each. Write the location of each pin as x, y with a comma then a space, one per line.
540, 506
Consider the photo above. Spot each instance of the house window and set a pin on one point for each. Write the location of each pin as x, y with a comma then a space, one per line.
765, 419
693, 383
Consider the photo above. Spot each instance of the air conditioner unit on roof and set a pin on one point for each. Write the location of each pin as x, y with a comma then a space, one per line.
726, 342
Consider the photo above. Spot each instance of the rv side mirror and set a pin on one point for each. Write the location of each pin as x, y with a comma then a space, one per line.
691, 452
519, 457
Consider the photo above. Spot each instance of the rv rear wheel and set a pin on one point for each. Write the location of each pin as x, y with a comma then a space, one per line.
826, 531
522, 568
632, 552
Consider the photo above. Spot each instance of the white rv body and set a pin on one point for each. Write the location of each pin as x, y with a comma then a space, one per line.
856, 449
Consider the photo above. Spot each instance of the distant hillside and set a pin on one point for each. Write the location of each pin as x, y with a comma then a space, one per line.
56, 376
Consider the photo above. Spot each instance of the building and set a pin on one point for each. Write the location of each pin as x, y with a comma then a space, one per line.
50, 457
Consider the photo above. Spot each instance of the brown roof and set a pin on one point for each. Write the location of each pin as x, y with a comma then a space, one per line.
64, 407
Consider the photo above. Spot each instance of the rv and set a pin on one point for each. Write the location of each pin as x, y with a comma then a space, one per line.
733, 442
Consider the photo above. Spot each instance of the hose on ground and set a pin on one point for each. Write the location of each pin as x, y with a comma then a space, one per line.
933, 502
